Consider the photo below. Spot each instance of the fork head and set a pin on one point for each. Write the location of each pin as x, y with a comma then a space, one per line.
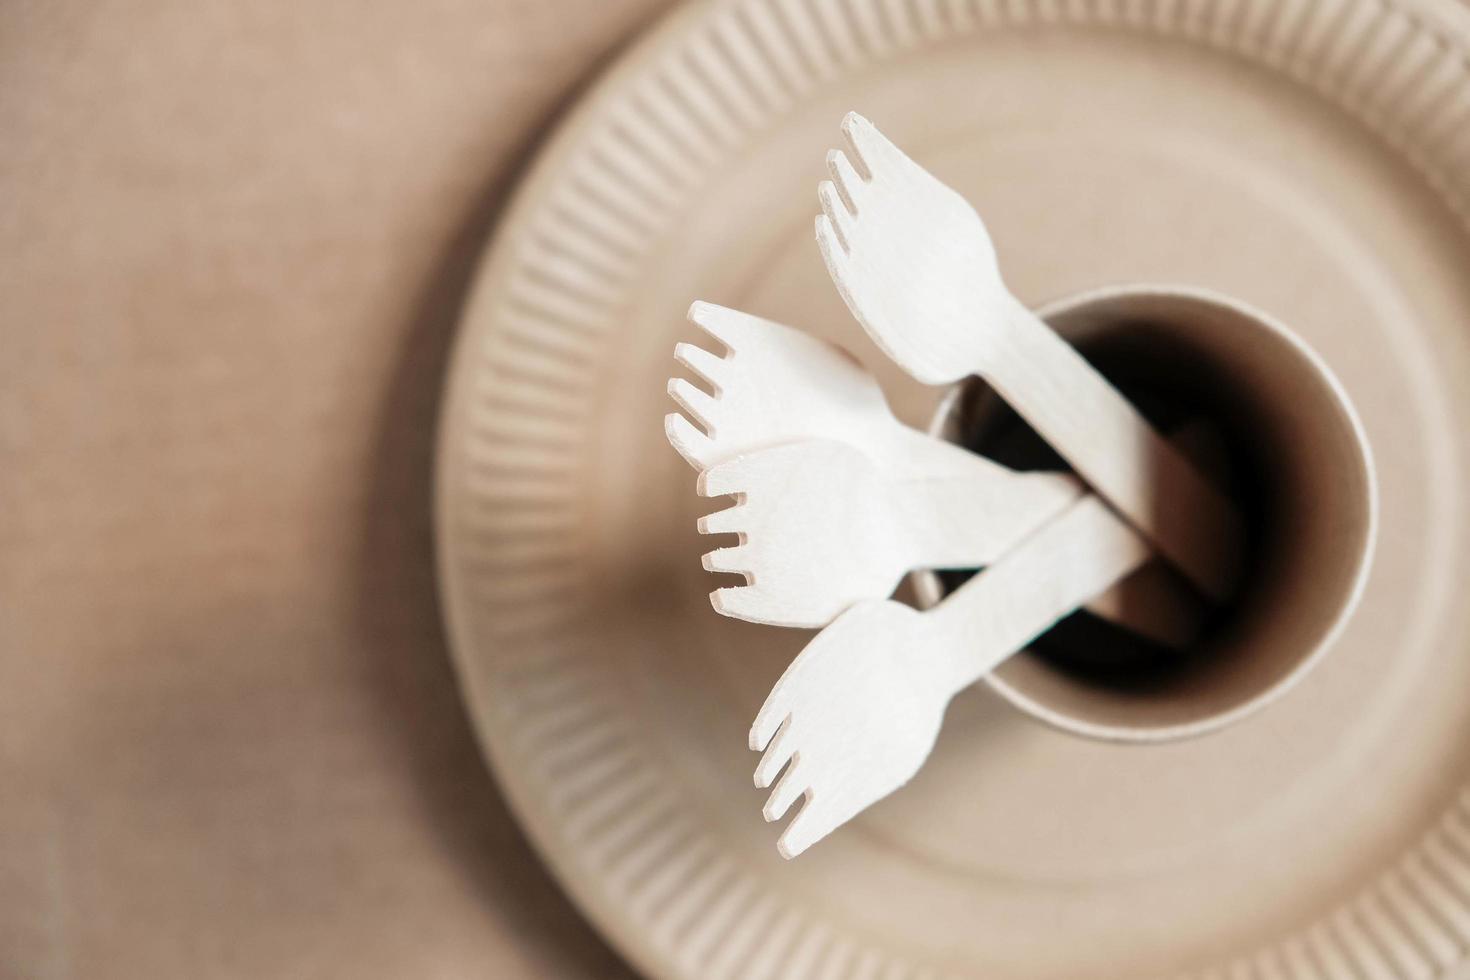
850, 721
815, 533
910, 257
775, 384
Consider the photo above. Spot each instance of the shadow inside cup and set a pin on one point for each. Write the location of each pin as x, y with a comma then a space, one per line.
1262, 416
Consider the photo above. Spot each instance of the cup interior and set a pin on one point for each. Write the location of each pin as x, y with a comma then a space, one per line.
1264, 416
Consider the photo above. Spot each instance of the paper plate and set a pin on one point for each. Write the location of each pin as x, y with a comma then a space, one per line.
1310, 158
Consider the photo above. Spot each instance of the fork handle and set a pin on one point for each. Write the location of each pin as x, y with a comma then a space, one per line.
1049, 575
1115, 449
965, 522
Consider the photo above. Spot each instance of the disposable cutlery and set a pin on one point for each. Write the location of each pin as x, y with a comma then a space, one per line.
857, 712
840, 499
916, 266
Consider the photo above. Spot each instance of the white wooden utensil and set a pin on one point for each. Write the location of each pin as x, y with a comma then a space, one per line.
907, 500
823, 525
857, 712
917, 268
777, 384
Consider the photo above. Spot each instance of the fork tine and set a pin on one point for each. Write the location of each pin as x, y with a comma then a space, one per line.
727, 521
710, 367
843, 209
725, 479
834, 249
770, 718
778, 752
788, 790
697, 403
854, 151
727, 326
872, 151
810, 825
837, 214
747, 602
849, 183
735, 560
687, 440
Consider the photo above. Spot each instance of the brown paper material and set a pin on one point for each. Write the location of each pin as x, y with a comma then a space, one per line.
235, 239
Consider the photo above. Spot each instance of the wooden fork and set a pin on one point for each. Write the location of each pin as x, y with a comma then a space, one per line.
857, 712
778, 384
917, 268
925, 503
839, 499
822, 526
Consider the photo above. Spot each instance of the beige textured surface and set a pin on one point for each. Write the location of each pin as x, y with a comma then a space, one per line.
235, 239
615, 707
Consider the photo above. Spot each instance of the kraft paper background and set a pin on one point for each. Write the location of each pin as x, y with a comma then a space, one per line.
234, 240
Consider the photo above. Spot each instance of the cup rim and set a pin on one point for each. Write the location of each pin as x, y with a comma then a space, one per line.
929, 591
